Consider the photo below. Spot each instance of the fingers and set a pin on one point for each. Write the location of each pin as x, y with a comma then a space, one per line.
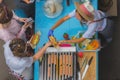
27, 24
27, 1
1, 1
23, 19
61, 42
49, 43
30, 23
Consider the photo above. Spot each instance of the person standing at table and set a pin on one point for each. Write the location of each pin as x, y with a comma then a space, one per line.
18, 58
10, 26
95, 20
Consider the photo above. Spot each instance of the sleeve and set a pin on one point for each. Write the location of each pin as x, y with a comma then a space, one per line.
16, 64
22, 31
6, 35
21, 63
27, 61
90, 31
15, 16
72, 14
102, 14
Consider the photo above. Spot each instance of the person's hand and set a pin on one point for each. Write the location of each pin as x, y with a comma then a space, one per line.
62, 41
23, 19
48, 44
50, 33
27, 1
1, 1
27, 24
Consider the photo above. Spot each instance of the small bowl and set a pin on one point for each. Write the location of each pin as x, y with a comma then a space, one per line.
52, 9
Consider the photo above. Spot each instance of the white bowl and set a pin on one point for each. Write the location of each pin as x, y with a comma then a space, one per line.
52, 9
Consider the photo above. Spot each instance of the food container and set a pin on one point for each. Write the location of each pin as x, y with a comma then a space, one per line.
52, 9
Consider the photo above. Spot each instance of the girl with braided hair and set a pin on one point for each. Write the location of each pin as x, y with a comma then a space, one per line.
18, 58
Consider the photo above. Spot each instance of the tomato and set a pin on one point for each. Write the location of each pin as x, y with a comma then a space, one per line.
80, 54
66, 36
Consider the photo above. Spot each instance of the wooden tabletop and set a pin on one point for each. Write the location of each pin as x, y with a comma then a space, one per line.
91, 72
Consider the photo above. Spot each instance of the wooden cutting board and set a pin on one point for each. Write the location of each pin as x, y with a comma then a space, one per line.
91, 72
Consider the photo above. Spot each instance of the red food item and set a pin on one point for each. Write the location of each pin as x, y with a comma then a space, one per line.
80, 54
65, 45
66, 36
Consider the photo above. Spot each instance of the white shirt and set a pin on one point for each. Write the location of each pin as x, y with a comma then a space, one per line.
72, 14
16, 64
95, 26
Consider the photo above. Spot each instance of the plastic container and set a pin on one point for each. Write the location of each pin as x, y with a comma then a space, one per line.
83, 46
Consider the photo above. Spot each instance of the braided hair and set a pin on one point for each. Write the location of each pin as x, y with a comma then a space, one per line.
6, 14
19, 48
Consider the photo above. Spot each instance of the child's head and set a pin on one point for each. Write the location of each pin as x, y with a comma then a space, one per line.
19, 48
84, 11
5, 14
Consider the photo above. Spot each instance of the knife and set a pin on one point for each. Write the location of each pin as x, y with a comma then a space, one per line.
87, 66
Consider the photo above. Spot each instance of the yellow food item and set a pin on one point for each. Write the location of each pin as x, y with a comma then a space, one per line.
73, 37
93, 45
53, 41
34, 40
89, 47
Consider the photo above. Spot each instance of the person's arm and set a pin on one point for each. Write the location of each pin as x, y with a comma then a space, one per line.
27, 1
19, 18
60, 22
23, 29
41, 52
73, 40
1, 1
15, 16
